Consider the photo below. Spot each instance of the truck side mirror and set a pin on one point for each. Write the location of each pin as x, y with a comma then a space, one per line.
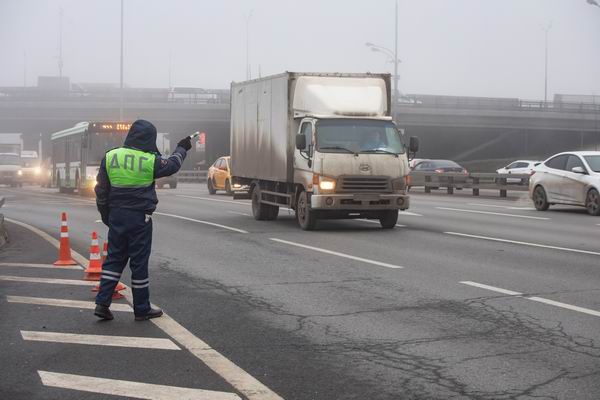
413, 144
300, 141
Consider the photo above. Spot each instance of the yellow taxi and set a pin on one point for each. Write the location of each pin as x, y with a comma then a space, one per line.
219, 176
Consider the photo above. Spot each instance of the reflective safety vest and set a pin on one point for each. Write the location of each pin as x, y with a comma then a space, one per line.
129, 168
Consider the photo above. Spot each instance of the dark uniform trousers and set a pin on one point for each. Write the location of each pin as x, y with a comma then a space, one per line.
129, 239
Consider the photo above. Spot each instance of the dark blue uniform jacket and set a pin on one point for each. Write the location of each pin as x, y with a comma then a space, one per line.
141, 136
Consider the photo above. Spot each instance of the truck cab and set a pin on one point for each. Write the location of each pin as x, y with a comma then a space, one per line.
351, 168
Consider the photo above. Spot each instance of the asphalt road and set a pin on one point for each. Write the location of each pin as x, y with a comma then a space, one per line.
477, 298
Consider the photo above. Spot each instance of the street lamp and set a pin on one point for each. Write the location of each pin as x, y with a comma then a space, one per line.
393, 59
393, 55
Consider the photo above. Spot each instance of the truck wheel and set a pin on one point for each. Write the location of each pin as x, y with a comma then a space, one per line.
540, 201
228, 188
592, 202
211, 188
388, 219
260, 211
306, 217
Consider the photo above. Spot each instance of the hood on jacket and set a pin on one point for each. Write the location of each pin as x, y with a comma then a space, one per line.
142, 136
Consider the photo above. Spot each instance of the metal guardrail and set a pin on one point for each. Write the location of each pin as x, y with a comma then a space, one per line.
192, 176
474, 181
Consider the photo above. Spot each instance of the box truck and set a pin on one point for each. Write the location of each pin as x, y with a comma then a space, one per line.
322, 144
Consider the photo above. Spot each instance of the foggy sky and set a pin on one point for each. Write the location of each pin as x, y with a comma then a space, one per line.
455, 47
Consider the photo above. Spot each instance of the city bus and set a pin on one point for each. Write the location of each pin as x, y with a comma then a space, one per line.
77, 152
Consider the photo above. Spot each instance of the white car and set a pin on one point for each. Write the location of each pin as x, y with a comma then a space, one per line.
567, 178
519, 167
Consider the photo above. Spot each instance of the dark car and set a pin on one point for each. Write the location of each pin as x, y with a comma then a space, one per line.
441, 167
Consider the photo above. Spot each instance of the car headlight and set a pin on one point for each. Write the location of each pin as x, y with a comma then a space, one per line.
399, 183
19, 172
326, 185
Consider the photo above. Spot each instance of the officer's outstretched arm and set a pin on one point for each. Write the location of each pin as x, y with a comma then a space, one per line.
169, 166
102, 190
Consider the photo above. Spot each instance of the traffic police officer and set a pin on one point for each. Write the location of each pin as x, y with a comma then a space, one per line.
126, 199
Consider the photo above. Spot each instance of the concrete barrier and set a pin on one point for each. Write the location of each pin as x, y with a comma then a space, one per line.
192, 176
503, 183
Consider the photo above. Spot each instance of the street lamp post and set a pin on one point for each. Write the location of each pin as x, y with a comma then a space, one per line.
593, 3
393, 55
121, 84
546, 30
248, 71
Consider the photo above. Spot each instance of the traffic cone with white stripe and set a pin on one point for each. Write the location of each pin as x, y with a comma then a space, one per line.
94, 269
116, 295
64, 250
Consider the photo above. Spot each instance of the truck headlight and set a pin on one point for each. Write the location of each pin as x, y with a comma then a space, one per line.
19, 172
37, 171
327, 185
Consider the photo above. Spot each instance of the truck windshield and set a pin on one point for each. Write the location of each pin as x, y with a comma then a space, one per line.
10, 159
358, 136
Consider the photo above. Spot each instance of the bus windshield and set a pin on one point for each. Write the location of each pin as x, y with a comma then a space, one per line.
101, 142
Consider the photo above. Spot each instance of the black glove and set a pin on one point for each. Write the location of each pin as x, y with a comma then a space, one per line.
186, 143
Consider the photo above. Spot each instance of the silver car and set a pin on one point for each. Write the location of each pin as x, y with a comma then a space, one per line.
571, 178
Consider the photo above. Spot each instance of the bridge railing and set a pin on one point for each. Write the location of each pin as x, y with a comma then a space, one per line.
503, 183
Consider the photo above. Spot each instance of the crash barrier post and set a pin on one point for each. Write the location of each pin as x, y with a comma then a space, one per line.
503, 183
94, 268
64, 249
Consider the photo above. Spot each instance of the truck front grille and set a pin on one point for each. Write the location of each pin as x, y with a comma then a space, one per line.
373, 184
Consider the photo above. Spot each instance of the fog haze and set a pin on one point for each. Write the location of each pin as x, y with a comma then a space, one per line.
459, 47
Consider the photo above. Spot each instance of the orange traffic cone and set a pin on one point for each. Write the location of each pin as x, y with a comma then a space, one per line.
120, 286
94, 269
64, 251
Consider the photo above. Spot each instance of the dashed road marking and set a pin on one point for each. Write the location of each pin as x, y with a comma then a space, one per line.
239, 213
130, 389
413, 214
335, 253
42, 301
499, 206
534, 298
215, 200
100, 340
49, 266
202, 222
377, 222
55, 281
492, 213
523, 243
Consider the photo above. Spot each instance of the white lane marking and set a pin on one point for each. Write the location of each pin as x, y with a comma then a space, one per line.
377, 222
49, 266
101, 340
499, 206
492, 288
239, 213
129, 389
234, 375
249, 386
409, 213
491, 213
534, 298
31, 279
43, 301
335, 253
565, 305
216, 200
76, 256
524, 243
202, 222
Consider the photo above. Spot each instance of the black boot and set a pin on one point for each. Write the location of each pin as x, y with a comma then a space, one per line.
151, 313
103, 312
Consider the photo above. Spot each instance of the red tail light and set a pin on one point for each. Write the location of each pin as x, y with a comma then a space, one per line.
465, 171
532, 172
